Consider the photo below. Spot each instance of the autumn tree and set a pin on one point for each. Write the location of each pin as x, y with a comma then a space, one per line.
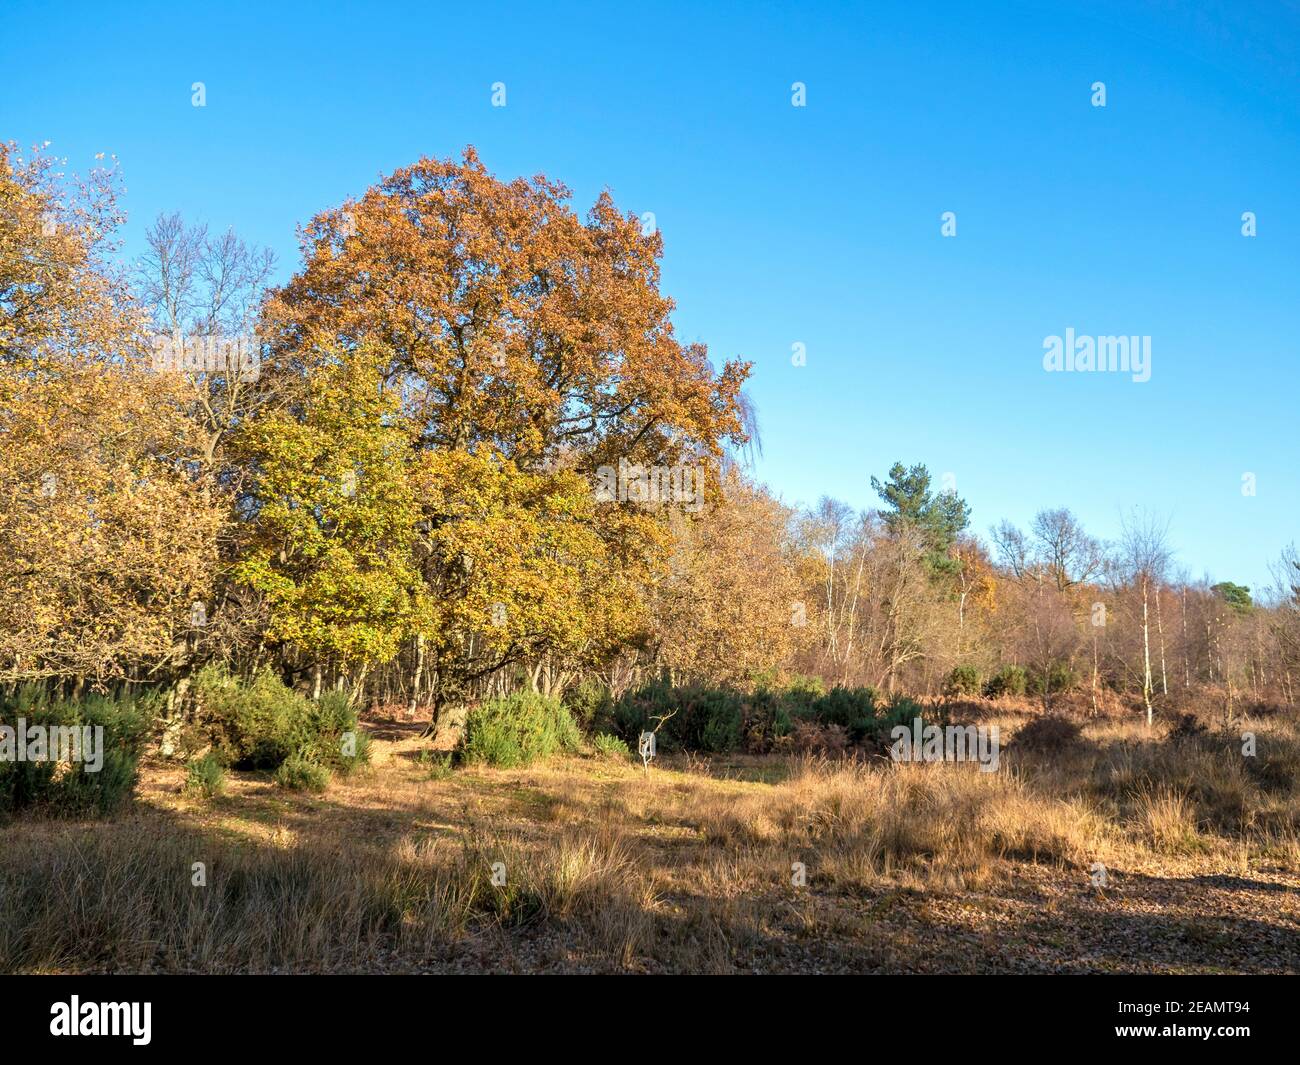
60, 294
834, 535
330, 516
509, 320
730, 606
106, 537
1047, 636
1051, 568
526, 348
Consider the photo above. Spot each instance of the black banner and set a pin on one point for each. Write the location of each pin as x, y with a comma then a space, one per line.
148, 1014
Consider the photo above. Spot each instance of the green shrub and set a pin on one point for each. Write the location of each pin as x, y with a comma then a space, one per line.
608, 746
801, 695
253, 724
1060, 678
963, 680
206, 777
852, 709
589, 704
782, 723
261, 723
334, 737
702, 718
75, 786
637, 710
900, 710
299, 772
518, 729
1009, 680
711, 719
715, 719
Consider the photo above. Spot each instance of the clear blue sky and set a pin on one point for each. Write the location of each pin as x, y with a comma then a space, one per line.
818, 225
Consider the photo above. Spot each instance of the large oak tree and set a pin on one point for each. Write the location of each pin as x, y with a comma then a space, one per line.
522, 347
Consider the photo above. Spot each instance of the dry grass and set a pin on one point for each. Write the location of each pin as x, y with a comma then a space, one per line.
922, 825
693, 868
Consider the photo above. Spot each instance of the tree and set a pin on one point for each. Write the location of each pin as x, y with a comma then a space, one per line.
107, 539
1057, 550
728, 607
59, 295
1235, 595
1285, 623
1143, 558
508, 320
196, 287
331, 513
1048, 636
526, 350
516, 567
830, 531
911, 505
199, 284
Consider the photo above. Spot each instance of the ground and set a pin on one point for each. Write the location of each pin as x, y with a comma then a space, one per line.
690, 867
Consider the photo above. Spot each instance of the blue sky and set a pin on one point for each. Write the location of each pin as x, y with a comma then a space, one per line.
817, 225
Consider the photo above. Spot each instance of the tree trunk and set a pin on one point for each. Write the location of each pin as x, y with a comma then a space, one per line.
415, 677
1146, 656
1187, 665
1160, 628
359, 688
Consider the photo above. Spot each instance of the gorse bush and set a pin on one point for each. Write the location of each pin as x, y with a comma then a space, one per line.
335, 737
261, 724
301, 772
1059, 678
802, 694
963, 680
718, 719
253, 724
608, 746
710, 719
852, 709
95, 777
518, 729
695, 717
1009, 680
901, 710
206, 777
590, 704
636, 710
